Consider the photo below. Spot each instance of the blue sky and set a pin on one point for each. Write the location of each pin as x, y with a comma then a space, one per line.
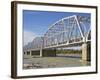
36, 23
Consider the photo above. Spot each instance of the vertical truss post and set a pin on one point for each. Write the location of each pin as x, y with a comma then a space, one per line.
70, 32
88, 34
63, 30
79, 26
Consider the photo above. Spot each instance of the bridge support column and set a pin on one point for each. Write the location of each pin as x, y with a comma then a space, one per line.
40, 52
30, 53
86, 52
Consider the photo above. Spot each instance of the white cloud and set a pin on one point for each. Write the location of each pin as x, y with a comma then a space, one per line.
28, 37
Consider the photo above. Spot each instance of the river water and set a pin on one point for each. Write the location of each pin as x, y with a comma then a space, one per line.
61, 60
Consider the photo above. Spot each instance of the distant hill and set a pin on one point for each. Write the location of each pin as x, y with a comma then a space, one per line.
36, 43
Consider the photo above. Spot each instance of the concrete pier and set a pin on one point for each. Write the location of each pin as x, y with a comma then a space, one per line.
30, 53
86, 52
86, 55
40, 52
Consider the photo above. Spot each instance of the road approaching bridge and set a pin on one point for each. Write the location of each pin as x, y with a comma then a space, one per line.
69, 31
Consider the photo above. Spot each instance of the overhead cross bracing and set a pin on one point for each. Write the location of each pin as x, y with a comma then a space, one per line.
68, 31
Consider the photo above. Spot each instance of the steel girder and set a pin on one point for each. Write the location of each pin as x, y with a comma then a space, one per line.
70, 29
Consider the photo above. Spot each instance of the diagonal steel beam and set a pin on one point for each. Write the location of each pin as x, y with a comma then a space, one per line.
82, 35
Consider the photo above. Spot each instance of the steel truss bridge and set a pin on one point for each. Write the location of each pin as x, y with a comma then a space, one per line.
69, 31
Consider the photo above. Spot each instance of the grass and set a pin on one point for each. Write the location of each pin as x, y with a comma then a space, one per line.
68, 51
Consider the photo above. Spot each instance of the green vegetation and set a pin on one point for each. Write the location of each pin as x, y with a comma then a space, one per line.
71, 51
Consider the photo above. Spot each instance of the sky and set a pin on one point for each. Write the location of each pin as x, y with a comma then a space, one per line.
36, 23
